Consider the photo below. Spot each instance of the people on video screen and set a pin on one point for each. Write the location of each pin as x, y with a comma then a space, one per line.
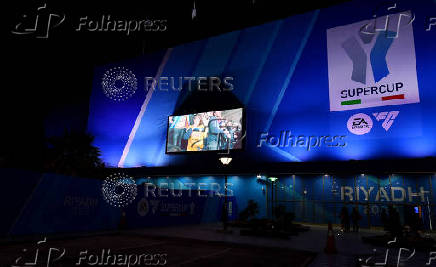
203, 131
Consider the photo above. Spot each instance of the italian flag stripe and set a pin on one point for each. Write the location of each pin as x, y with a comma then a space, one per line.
384, 98
351, 102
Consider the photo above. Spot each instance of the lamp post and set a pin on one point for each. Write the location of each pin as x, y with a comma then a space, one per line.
225, 161
272, 179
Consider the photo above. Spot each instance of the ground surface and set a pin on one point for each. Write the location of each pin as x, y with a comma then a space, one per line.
203, 245
161, 251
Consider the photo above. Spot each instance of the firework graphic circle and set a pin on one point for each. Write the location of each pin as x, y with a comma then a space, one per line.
119, 83
119, 190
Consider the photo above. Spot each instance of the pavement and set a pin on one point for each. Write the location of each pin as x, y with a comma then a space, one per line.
129, 248
349, 245
208, 245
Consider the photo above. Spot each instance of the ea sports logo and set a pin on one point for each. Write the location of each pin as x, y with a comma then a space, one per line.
359, 124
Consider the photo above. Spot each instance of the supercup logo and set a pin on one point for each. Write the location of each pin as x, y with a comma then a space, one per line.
372, 63
119, 83
359, 124
119, 190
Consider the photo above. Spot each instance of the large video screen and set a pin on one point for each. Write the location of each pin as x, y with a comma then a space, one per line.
206, 131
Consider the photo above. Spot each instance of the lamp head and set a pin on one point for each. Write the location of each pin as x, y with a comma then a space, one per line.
273, 179
225, 160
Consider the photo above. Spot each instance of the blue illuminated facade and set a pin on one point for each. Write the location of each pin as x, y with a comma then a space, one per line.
281, 77
76, 204
316, 198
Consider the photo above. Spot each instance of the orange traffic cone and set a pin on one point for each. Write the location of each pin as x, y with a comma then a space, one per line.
330, 247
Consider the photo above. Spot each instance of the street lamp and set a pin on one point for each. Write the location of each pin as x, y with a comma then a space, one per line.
225, 161
272, 179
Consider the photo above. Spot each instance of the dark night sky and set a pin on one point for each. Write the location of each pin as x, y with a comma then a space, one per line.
44, 75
